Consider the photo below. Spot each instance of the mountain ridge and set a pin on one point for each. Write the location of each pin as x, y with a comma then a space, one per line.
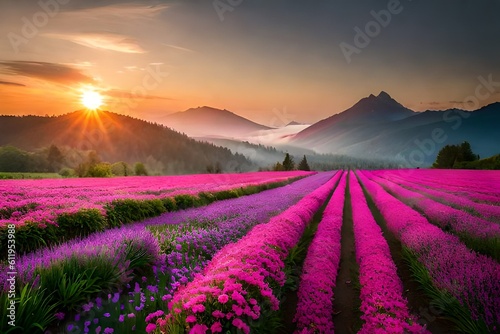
380, 127
206, 121
118, 137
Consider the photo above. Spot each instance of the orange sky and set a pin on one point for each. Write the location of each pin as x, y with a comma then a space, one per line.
262, 61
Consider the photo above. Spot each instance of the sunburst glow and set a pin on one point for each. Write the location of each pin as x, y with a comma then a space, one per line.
91, 99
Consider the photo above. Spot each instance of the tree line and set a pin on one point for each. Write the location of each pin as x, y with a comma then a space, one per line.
67, 162
289, 164
462, 157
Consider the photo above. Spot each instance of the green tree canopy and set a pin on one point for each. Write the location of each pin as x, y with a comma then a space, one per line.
451, 156
140, 169
288, 163
55, 158
121, 168
303, 165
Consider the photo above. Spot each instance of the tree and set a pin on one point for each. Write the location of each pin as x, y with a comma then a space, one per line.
303, 165
466, 153
140, 169
121, 168
278, 167
452, 156
218, 168
101, 169
13, 159
55, 158
288, 163
446, 157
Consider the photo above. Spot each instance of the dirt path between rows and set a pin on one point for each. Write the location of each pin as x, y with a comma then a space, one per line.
346, 317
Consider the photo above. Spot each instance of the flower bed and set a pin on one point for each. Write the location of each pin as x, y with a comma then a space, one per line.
237, 286
473, 279
384, 308
319, 272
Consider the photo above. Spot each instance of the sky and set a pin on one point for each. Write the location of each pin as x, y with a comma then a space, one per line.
264, 60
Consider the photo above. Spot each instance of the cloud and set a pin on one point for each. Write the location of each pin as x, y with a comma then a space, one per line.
54, 72
123, 11
107, 41
437, 103
128, 95
178, 47
8, 83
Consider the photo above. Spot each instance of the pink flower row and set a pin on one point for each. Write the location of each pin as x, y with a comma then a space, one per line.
480, 186
319, 273
488, 211
443, 215
472, 278
44, 200
236, 287
384, 308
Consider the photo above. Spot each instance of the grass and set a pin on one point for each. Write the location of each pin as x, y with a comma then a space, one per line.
32, 176
442, 300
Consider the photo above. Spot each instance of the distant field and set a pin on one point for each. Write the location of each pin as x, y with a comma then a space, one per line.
9, 176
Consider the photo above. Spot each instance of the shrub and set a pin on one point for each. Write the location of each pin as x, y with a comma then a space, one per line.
169, 204
80, 223
206, 197
67, 172
123, 211
185, 201
102, 169
226, 194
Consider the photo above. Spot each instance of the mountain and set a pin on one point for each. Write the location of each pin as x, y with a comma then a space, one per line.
118, 138
379, 127
292, 123
208, 121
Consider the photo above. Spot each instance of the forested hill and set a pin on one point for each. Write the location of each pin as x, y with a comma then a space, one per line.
119, 138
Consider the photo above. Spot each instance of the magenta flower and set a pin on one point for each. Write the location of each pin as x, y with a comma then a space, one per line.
216, 327
150, 328
223, 298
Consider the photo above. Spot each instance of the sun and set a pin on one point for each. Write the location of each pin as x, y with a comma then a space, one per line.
91, 99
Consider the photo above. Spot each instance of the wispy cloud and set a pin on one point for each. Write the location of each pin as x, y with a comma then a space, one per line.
54, 72
128, 95
8, 83
178, 47
104, 40
124, 11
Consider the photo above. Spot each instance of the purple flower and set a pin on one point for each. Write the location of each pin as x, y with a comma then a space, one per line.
59, 316
116, 297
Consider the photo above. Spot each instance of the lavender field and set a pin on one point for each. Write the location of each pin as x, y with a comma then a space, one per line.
274, 261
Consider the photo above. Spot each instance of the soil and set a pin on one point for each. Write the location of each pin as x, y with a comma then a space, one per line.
346, 312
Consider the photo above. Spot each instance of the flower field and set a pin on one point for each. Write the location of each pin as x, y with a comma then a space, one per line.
423, 251
49, 211
44, 200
